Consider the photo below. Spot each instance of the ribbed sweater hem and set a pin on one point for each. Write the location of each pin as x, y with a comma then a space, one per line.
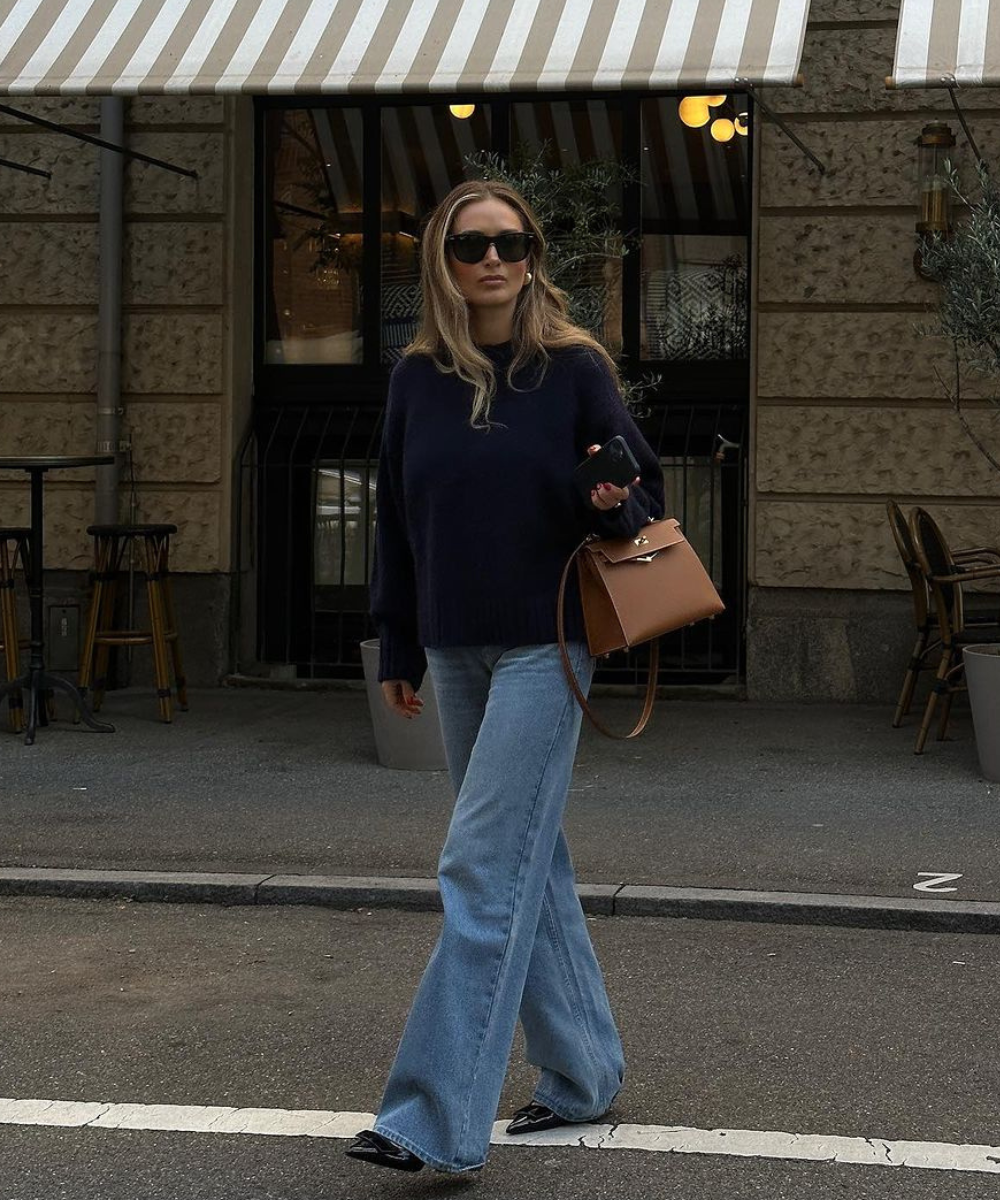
513, 621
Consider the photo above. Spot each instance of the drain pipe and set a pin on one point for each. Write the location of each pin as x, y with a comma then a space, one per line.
109, 359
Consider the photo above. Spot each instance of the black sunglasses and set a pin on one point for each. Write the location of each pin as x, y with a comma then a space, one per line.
471, 247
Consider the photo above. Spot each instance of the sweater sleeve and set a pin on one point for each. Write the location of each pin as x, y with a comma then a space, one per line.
603, 415
393, 597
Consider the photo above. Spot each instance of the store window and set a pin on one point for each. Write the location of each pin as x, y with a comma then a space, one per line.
426, 151
312, 300
695, 226
689, 193
343, 189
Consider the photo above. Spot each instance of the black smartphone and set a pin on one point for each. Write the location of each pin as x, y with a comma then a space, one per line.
613, 463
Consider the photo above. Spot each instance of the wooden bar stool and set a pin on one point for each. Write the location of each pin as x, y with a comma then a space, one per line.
15, 544
110, 544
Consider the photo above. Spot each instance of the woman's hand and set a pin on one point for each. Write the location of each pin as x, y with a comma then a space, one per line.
606, 495
398, 695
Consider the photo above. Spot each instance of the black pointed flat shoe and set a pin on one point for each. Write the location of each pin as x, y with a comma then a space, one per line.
372, 1147
534, 1118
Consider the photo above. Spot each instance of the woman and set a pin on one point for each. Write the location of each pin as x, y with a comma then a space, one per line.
495, 403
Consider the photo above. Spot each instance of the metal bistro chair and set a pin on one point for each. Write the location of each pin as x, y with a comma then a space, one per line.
945, 579
924, 615
15, 544
110, 544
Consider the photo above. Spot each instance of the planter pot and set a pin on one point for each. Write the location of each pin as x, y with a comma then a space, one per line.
401, 744
982, 674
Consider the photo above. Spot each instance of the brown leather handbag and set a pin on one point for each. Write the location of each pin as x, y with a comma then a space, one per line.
633, 590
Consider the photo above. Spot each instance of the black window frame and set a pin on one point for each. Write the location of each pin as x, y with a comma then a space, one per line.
319, 383
346, 401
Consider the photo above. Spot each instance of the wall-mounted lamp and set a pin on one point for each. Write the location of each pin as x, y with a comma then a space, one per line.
934, 202
934, 188
462, 111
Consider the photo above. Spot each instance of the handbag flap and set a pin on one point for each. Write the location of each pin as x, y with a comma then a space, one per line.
655, 536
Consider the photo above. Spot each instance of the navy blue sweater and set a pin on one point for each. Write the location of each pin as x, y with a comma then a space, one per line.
474, 526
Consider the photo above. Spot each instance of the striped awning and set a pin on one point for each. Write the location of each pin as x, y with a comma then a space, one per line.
948, 43
334, 46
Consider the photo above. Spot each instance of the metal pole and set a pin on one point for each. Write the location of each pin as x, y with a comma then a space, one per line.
35, 710
965, 126
783, 126
109, 361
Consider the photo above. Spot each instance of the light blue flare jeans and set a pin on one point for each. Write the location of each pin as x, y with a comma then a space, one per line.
514, 941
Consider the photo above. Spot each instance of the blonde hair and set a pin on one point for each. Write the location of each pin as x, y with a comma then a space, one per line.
541, 321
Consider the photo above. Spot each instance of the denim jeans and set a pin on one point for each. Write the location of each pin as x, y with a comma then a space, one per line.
514, 940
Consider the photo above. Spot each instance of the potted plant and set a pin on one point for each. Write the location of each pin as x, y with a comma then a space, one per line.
966, 266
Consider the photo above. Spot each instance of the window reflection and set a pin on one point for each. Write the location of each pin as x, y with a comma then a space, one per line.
345, 525
695, 224
424, 155
313, 304
694, 200
566, 134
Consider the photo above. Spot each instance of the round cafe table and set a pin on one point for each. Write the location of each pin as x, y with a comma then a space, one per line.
37, 681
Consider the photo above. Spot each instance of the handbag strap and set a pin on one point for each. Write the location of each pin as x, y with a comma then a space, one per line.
654, 664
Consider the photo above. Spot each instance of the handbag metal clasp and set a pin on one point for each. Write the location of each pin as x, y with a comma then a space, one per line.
640, 540
646, 557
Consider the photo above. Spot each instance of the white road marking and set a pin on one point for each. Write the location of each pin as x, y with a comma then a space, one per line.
933, 882
672, 1139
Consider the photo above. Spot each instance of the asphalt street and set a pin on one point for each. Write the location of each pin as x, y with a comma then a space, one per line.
871, 1034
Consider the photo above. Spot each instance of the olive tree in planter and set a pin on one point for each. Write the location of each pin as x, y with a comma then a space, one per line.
966, 266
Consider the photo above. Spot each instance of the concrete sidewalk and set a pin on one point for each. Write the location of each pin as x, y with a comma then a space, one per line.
738, 798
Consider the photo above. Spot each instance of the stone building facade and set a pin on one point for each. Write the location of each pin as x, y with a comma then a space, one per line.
186, 361
847, 406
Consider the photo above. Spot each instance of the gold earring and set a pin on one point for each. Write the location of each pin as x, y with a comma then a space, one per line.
528, 277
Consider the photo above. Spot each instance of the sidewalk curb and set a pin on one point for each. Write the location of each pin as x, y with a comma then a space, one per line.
597, 899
